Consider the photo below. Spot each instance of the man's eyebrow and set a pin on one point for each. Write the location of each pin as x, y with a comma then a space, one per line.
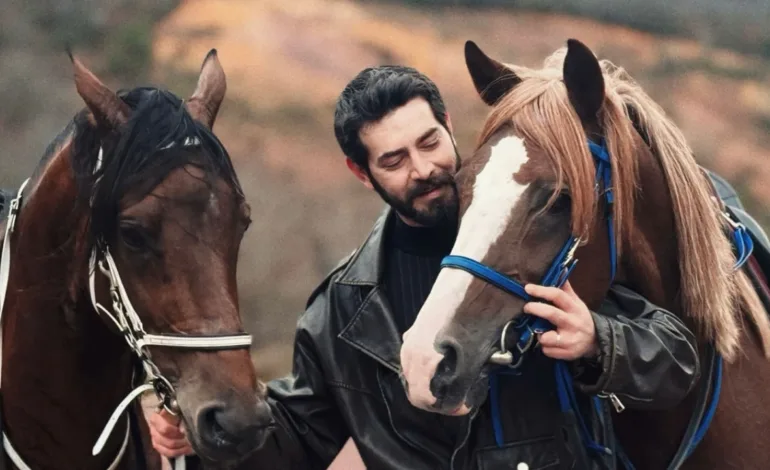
392, 153
427, 134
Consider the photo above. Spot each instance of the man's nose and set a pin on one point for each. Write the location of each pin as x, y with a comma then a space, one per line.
422, 167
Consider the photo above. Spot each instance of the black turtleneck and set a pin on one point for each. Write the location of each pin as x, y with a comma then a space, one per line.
412, 263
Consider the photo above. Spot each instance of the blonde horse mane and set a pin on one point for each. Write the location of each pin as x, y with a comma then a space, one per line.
712, 294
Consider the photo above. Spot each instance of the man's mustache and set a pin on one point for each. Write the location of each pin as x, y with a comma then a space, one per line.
425, 186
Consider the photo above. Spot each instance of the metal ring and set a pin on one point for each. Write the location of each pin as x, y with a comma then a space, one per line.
503, 349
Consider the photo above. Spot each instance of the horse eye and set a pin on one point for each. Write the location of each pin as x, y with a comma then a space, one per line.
563, 203
133, 237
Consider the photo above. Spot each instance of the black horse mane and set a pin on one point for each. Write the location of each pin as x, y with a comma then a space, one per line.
160, 136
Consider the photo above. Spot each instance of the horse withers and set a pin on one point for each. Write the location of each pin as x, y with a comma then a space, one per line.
539, 178
135, 206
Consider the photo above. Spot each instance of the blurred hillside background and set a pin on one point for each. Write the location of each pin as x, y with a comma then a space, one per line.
706, 61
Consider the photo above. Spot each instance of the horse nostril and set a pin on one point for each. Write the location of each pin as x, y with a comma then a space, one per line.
234, 428
448, 365
446, 370
212, 427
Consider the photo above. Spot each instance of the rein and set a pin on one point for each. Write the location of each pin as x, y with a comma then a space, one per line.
528, 327
129, 325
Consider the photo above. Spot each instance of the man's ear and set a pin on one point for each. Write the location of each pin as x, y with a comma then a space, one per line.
449, 124
361, 174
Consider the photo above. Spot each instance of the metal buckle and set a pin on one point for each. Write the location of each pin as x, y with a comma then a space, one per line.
530, 341
734, 224
13, 211
165, 393
504, 357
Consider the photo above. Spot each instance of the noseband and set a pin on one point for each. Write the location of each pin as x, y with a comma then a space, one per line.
129, 325
529, 326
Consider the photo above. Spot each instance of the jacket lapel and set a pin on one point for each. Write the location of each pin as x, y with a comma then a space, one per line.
372, 328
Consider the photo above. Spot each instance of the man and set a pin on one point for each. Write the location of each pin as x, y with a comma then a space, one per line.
392, 125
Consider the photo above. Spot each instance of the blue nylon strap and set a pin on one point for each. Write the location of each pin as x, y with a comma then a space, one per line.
569, 404
743, 245
494, 403
556, 275
712, 409
561, 267
604, 174
486, 273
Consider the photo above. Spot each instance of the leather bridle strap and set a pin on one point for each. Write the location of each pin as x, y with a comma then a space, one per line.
127, 321
711, 379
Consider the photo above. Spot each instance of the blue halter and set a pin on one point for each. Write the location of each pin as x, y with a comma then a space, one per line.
528, 326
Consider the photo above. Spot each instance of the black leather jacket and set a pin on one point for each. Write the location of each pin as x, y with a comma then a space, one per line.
345, 383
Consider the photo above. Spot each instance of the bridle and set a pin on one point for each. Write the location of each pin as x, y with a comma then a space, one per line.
129, 325
562, 265
528, 327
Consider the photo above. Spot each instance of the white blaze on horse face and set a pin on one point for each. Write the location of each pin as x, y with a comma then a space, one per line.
495, 193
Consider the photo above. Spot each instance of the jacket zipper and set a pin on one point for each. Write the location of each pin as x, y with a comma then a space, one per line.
619, 406
616, 403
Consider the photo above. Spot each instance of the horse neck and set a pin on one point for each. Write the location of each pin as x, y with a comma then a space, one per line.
649, 265
649, 262
63, 371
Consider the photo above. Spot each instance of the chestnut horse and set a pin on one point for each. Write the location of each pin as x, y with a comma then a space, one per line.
135, 206
567, 151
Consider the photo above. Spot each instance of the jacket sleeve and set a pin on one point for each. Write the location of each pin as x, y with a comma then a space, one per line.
648, 358
309, 429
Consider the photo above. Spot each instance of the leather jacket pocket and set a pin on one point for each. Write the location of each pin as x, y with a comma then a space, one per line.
432, 434
531, 454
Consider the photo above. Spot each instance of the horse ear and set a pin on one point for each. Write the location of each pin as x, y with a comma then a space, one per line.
108, 109
491, 78
204, 103
584, 80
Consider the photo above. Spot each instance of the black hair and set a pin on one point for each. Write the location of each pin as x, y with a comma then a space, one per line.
156, 139
372, 94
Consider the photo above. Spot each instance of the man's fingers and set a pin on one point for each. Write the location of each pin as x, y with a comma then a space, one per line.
168, 442
559, 353
556, 296
164, 427
171, 453
551, 339
567, 287
554, 315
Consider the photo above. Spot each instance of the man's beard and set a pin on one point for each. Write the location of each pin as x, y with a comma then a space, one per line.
442, 210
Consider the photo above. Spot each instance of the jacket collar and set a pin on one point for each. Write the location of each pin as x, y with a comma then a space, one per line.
372, 329
366, 265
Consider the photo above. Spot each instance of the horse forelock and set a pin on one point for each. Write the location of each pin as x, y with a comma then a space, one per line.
710, 292
159, 136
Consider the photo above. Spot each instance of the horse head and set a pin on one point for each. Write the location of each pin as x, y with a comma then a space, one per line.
574, 162
141, 215
166, 203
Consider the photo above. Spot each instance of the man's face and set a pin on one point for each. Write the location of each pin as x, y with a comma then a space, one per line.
412, 163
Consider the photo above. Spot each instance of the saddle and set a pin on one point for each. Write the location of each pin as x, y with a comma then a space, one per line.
758, 266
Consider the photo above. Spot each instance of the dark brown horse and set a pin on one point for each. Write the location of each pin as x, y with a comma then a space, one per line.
139, 199
530, 185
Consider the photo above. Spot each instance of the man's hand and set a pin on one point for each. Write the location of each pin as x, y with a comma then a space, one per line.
168, 435
574, 335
